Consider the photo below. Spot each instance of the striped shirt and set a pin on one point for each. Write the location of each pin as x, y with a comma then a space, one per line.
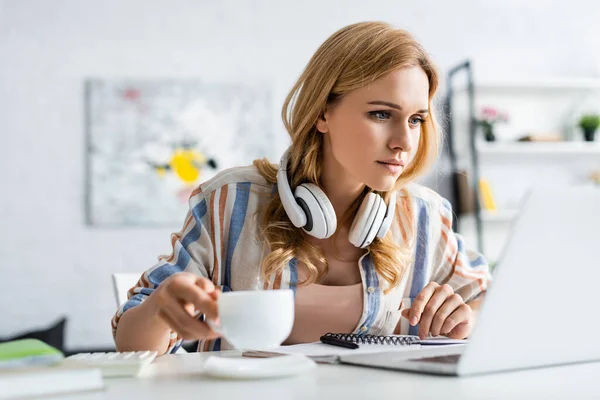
220, 241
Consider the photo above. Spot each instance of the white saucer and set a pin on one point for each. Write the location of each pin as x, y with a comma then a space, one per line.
257, 368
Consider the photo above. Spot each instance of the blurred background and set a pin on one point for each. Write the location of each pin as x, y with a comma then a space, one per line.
112, 111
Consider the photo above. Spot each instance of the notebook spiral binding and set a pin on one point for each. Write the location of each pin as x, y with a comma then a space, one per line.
374, 339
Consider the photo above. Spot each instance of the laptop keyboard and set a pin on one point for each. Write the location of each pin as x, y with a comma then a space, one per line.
450, 359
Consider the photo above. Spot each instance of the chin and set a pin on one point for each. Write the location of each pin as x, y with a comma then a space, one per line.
383, 183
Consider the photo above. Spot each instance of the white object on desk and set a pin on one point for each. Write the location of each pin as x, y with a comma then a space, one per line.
113, 364
257, 368
181, 376
44, 381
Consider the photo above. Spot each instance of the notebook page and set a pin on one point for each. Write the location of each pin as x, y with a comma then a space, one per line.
322, 349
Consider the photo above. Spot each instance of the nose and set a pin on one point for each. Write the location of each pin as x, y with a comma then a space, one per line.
401, 139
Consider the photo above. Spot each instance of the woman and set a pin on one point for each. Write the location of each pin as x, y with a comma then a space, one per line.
360, 244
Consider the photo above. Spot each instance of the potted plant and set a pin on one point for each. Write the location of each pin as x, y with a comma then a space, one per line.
588, 124
489, 117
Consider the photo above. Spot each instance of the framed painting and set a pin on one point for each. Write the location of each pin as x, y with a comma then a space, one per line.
150, 143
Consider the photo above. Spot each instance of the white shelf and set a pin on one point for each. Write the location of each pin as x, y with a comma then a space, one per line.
561, 84
499, 215
532, 148
491, 216
551, 84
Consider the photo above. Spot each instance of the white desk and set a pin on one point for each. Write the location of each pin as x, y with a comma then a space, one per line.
179, 377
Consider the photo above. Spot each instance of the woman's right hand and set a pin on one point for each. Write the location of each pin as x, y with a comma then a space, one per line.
180, 299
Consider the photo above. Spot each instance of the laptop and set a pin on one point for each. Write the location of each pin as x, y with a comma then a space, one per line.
542, 307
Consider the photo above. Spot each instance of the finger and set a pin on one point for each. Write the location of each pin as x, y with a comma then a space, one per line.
458, 316
420, 302
198, 297
451, 304
460, 331
185, 331
205, 284
435, 302
183, 323
215, 294
174, 325
405, 313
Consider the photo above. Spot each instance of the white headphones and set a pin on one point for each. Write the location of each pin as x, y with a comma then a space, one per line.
310, 209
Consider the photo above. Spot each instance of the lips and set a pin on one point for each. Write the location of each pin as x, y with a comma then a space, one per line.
394, 167
393, 161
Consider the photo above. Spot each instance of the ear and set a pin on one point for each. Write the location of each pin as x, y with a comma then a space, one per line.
322, 125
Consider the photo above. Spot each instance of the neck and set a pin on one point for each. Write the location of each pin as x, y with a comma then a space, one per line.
340, 187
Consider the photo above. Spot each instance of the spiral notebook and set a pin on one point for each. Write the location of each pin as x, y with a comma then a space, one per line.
391, 340
321, 352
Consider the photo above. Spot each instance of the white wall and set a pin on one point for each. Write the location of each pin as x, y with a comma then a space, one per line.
50, 262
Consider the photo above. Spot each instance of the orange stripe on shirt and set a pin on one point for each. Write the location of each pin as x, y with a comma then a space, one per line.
446, 222
144, 282
463, 272
480, 281
196, 191
277, 283
449, 244
176, 237
406, 218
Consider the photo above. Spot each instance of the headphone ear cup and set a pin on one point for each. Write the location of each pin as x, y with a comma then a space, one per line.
390, 214
322, 221
367, 221
378, 216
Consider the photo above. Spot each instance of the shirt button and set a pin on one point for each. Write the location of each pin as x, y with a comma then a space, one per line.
371, 289
363, 328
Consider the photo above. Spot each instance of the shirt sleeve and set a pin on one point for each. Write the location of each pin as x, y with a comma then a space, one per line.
466, 271
192, 251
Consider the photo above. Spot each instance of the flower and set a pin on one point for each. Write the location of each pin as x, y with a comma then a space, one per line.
492, 115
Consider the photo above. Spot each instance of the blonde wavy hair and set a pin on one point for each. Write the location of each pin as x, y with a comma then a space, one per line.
350, 59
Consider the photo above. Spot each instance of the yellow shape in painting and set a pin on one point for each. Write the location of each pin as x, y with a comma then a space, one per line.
161, 171
185, 162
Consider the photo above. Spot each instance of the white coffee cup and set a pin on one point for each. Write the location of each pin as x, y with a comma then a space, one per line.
255, 319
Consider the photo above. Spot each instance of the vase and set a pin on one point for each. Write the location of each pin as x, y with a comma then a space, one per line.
588, 134
488, 133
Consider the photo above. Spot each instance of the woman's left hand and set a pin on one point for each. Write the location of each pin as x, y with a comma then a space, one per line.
440, 311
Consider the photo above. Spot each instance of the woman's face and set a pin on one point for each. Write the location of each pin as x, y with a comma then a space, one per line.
373, 131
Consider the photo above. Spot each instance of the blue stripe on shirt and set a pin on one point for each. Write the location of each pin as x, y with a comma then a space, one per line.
183, 257
419, 271
164, 271
135, 300
199, 211
446, 204
480, 261
293, 266
176, 347
238, 215
372, 280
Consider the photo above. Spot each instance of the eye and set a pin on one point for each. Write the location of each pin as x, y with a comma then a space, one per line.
380, 115
415, 121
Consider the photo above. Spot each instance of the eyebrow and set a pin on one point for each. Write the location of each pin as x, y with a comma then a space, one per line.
393, 105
